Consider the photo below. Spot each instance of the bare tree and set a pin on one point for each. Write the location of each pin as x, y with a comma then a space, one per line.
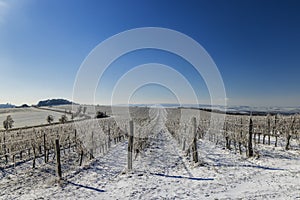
100, 114
8, 123
50, 119
84, 110
63, 119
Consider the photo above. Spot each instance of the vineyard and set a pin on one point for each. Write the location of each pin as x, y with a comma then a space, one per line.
238, 133
22, 145
131, 145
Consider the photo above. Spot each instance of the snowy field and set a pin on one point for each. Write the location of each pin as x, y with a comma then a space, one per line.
162, 171
28, 116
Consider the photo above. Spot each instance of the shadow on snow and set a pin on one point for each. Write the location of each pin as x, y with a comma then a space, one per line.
86, 187
190, 178
250, 166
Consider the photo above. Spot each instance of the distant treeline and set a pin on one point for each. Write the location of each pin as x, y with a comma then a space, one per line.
253, 113
7, 105
54, 102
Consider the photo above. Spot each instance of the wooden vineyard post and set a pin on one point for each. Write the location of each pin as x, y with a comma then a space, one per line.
183, 146
234, 140
45, 149
4, 146
75, 139
241, 137
250, 149
14, 160
6, 159
69, 141
119, 136
269, 131
81, 158
275, 131
130, 145
108, 141
184, 140
227, 136
58, 164
92, 147
34, 155
194, 147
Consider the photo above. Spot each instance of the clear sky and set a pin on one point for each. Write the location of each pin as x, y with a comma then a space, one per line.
255, 45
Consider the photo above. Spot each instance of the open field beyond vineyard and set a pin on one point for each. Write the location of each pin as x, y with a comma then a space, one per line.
28, 116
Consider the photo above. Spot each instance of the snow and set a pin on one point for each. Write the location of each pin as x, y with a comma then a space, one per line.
28, 116
162, 171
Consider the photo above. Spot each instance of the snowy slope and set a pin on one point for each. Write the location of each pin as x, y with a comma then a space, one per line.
28, 116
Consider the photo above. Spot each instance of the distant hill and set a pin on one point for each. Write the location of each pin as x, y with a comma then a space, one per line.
7, 105
53, 102
23, 106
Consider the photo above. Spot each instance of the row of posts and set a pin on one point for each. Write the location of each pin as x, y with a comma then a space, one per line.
129, 159
130, 148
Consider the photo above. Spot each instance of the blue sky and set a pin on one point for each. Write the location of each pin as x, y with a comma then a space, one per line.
255, 45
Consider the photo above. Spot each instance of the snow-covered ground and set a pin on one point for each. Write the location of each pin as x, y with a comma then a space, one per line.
28, 116
162, 171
